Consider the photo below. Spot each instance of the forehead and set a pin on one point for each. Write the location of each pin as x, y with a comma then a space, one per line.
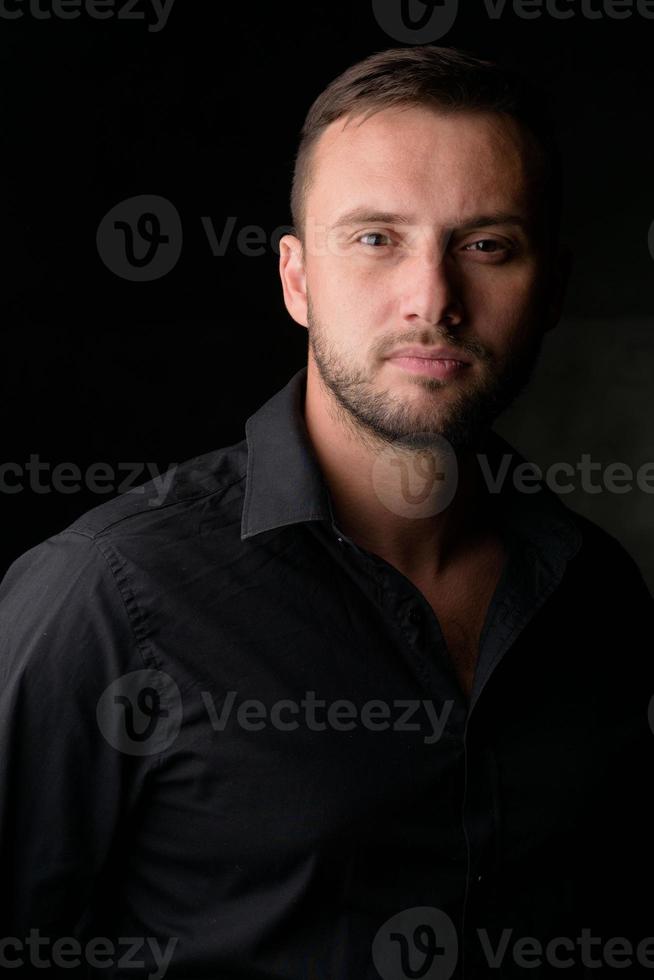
419, 159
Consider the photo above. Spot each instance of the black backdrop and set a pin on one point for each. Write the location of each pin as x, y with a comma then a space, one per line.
205, 113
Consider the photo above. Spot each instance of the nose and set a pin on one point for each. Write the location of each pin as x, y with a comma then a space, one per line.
431, 295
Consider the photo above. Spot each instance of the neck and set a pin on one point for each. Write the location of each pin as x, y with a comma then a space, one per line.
420, 510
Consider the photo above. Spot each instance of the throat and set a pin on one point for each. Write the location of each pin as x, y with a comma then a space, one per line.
460, 600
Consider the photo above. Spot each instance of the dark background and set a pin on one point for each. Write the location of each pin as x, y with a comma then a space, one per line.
206, 113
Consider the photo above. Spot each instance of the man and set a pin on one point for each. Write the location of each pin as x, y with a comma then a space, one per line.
347, 704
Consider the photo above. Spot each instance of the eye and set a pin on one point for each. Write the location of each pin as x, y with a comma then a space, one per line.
482, 246
374, 234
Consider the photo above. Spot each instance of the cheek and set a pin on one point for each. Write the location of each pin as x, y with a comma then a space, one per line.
508, 325
513, 283
504, 304
334, 283
352, 303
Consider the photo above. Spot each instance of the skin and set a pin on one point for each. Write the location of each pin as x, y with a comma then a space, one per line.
490, 289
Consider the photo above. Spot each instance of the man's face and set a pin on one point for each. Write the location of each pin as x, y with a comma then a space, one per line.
443, 252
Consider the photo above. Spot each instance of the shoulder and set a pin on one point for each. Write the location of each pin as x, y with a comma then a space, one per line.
595, 554
600, 543
170, 506
182, 494
75, 591
606, 562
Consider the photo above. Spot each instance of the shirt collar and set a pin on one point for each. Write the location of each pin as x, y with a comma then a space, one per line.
284, 483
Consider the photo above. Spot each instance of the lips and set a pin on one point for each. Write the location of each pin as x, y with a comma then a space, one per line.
429, 354
434, 367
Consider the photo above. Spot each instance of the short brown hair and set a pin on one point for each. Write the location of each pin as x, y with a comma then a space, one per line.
447, 79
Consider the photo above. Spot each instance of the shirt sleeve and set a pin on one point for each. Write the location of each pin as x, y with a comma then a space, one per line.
65, 781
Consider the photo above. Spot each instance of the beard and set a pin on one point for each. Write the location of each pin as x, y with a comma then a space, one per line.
463, 419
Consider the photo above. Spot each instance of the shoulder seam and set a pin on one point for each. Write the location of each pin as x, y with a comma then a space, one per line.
92, 535
138, 641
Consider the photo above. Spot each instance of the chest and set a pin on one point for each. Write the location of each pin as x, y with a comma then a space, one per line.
460, 602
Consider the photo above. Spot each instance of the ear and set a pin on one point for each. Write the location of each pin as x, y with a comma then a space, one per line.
293, 276
561, 271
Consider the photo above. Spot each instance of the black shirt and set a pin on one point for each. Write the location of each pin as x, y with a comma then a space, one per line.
233, 735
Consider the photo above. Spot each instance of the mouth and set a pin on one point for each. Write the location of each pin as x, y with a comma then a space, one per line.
433, 366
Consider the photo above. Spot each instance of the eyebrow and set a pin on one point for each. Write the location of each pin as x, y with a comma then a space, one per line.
364, 215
